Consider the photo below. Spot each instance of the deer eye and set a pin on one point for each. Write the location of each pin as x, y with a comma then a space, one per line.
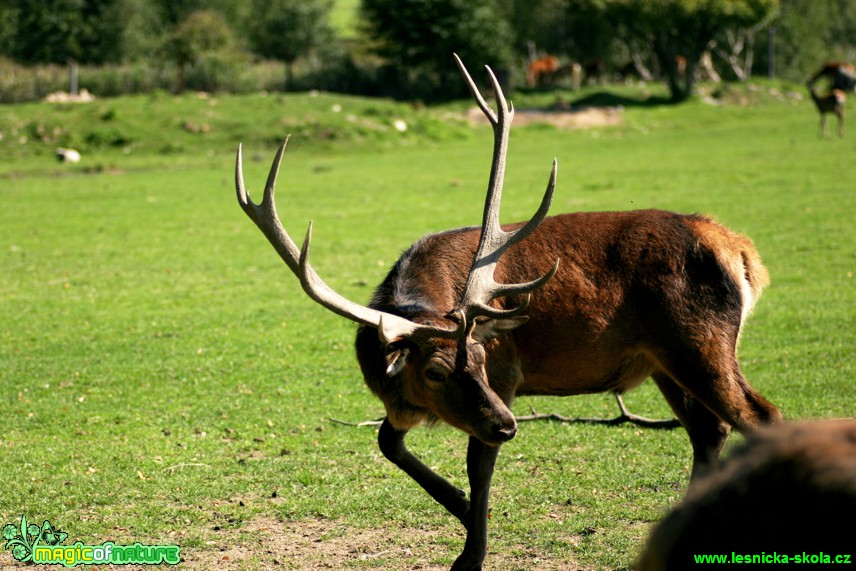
435, 375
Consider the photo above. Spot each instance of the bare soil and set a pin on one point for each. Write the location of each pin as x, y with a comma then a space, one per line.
324, 544
581, 118
321, 544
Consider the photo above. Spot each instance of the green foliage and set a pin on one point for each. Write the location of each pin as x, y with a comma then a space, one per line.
83, 30
203, 33
402, 48
286, 30
679, 31
8, 28
539, 21
417, 38
142, 32
810, 32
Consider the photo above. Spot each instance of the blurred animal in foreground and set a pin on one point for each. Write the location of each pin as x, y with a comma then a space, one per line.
785, 492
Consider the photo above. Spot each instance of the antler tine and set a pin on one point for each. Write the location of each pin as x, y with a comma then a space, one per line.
501, 123
480, 287
500, 99
541, 213
265, 216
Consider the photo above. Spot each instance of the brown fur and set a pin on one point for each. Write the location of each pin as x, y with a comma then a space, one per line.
636, 294
541, 71
785, 491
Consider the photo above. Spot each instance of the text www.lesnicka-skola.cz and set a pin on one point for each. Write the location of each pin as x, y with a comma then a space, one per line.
773, 558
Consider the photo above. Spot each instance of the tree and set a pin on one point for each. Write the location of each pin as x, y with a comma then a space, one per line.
736, 47
539, 22
416, 39
54, 31
201, 32
8, 25
287, 30
679, 31
809, 32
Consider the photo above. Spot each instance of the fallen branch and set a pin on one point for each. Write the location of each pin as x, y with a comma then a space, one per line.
625, 416
363, 423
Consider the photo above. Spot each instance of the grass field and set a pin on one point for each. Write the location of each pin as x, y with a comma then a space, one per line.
165, 380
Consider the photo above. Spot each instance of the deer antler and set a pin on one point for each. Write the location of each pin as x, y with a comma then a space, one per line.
390, 326
481, 287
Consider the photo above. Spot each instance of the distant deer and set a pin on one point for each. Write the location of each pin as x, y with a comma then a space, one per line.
841, 75
469, 319
832, 102
541, 71
773, 497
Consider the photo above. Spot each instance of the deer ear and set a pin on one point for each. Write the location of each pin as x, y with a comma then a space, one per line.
493, 328
396, 358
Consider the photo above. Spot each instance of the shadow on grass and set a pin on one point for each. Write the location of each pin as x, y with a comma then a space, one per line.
608, 99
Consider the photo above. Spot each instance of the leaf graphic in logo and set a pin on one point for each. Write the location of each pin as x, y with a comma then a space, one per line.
52, 536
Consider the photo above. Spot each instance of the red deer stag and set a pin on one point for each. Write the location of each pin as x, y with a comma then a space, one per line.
542, 71
468, 319
832, 102
776, 496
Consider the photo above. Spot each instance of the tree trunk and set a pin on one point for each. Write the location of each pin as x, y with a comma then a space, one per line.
181, 84
289, 75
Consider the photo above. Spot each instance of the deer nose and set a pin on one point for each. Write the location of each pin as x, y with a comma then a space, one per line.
504, 433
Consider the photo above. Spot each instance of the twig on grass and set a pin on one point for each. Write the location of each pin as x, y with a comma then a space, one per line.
171, 469
363, 423
625, 416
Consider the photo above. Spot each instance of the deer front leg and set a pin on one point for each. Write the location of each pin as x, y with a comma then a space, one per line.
391, 442
481, 460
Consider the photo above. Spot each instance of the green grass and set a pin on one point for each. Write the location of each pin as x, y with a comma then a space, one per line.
164, 375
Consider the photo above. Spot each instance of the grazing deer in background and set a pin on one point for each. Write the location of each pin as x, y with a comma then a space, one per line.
832, 102
541, 71
469, 319
777, 493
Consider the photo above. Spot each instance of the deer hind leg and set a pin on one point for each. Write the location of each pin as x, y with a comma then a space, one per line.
710, 396
707, 431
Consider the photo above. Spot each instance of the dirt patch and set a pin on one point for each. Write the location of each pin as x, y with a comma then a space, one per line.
267, 545
582, 118
323, 544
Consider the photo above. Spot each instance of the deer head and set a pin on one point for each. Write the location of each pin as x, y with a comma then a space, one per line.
436, 364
